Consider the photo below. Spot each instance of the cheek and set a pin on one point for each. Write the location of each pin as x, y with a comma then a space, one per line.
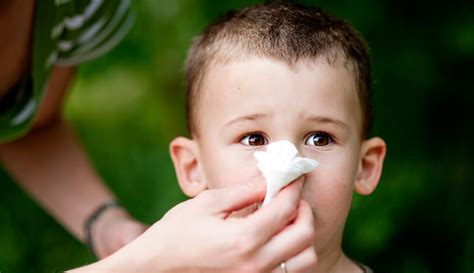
229, 168
328, 190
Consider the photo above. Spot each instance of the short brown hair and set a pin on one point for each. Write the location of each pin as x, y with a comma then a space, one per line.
285, 31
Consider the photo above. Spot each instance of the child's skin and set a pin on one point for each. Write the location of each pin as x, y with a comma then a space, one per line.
249, 103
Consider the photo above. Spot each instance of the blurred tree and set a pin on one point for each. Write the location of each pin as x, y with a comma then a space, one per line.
127, 105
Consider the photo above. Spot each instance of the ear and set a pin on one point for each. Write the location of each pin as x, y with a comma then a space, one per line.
185, 155
370, 165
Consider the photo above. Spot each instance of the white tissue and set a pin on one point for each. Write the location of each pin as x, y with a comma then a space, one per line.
280, 165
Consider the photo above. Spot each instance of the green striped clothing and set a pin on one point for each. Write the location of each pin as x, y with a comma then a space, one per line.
66, 33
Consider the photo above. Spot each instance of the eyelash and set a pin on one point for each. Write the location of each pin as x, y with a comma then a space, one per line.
246, 136
319, 133
245, 139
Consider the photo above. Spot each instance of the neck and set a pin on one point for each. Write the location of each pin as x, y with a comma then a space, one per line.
335, 261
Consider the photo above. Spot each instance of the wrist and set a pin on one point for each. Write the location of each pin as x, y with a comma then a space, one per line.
145, 254
97, 224
155, 249
106, 225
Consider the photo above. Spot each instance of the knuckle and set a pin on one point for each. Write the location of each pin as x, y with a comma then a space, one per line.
249, 186
313, 260
243, 246
252, 266
288, 209
307, 232
247, 245
312, 257
248, 236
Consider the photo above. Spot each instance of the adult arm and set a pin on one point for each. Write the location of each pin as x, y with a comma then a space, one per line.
198, 236
50, 165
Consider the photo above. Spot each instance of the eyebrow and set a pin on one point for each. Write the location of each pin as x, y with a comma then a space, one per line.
245, 118
318, 119
323, 119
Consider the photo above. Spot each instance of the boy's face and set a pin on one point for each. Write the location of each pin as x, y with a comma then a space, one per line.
248, 104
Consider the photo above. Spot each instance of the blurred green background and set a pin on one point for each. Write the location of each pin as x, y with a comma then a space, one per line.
127, 105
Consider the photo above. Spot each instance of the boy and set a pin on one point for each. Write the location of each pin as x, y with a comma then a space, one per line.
283, 72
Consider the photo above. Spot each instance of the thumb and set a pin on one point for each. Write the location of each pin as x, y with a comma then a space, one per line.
227, 200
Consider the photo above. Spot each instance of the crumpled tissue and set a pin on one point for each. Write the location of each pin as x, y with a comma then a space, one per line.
280, 165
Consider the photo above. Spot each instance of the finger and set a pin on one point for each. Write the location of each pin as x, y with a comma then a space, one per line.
303, 262
290, 241
267, 221
226, 200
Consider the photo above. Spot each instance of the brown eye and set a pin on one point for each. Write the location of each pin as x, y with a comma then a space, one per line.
253, 140
319, 139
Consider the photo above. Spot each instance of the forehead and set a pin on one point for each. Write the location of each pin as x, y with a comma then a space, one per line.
309, 87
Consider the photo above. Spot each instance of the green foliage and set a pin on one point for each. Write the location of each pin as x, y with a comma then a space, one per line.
127, 106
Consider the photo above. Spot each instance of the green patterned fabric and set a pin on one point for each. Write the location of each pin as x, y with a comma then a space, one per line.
66, 33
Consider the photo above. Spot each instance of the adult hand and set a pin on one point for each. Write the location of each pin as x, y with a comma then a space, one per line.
198, 236
305, 261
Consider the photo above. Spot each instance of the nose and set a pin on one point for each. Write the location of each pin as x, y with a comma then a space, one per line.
293, 140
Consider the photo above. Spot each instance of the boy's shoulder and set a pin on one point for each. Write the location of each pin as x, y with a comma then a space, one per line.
364, 268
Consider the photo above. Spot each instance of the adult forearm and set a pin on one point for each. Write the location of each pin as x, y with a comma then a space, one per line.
50, 164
